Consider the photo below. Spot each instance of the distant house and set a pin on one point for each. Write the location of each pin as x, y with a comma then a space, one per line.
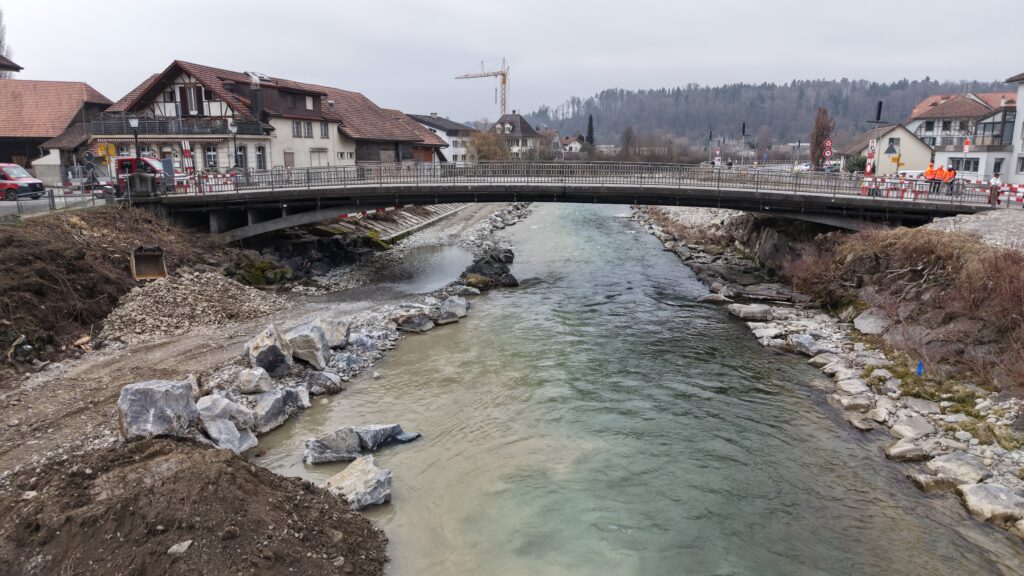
209, 118
521, 138
429, 149
894, 144
573, 144
456, 135
551, 141
34, 111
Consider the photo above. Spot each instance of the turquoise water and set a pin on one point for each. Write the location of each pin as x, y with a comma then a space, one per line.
597, 421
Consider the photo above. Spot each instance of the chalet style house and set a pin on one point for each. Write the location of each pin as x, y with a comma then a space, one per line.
214, 119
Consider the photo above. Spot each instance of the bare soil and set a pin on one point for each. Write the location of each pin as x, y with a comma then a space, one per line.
118, 511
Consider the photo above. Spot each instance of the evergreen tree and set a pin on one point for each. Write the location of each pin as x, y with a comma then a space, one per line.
590, 130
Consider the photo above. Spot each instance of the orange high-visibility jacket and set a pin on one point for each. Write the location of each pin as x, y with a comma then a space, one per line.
948, 175
929, 173
940, 174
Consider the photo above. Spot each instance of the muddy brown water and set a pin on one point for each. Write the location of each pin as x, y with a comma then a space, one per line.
599, 421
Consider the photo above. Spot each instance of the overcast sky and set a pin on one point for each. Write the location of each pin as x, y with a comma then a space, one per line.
405, 53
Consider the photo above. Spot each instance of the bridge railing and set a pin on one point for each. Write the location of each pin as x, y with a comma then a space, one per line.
632, 174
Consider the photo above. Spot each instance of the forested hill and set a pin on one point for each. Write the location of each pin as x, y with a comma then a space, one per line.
782, 112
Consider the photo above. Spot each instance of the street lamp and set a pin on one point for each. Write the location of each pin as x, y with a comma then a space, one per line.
233, 128
133, 121
893, 150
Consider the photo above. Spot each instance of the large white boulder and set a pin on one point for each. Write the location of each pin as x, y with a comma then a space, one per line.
254, 381
872, 321
453, 308
275, 407
156, 408
912, 426
335, 331
962, 467
992, 503
309, 344
362, 483
756, 312
227, 423
270, 351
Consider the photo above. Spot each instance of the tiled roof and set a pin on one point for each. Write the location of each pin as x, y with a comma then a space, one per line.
70, 139
1017, 78
990, 99
42, 108
428, 138
449, 126
8, 64
998, 99
520, 127
857, 145
360, 119
956, 107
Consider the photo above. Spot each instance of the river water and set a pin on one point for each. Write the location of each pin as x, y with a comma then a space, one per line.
597, 421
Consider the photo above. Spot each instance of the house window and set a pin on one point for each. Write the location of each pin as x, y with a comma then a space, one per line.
947, 125
323, 129
309, 102
146, 151
208, 95
195, 96
289, 99
241, 157
169, 95
497, 128
894, 141
997, 166
261, 158
929, 125
341, 155
508, 128
351, 155
123, 151
307, 129
296, 129
210, 155
971, 165
963, 125
1020, 165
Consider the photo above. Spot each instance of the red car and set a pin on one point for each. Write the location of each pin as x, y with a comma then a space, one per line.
126, 165
17, 183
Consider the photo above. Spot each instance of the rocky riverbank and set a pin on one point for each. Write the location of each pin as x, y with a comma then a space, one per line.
181, 380
952, 435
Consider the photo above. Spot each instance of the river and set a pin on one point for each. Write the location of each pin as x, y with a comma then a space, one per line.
597, 421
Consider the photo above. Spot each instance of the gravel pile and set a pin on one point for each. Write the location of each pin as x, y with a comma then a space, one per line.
183, 303
996, 227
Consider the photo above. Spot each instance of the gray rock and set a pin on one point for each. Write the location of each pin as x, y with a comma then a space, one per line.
376, 435
461, 290
338, 446
872, 321
880, 375
757, 312
964, 468
963, 436
846, 374
179, 548
921, 405
254, 381
414, 322
912, 426
884, 408
983, 405
770, 333
852, 386
156, 408
822, 360
453, 308
275, 407
362, 483
362, 341
714, 299
993, 503
335, 331
859, 421
270, 351
322, 382
931, 483
956, 418
227, 423
905, 450
834, 368
858, 402
807, 345
309, 344
347, 361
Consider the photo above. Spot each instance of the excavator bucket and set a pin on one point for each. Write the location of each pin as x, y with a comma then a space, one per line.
148, 263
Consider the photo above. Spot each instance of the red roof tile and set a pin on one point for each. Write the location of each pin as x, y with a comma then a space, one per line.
998, 99
42, 108
956, 107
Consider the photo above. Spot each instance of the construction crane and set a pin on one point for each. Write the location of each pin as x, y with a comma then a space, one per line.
501, 73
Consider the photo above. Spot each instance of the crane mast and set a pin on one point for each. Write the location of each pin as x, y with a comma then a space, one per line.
501, 73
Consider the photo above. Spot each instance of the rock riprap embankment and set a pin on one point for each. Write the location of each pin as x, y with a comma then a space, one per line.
187, 302
349, 443
961, 438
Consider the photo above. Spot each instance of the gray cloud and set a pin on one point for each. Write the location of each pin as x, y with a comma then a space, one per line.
405, 53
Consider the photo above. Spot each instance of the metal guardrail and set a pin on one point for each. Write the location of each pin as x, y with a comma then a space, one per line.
54, 198
640, 175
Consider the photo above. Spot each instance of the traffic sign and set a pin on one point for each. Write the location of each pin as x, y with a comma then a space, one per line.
828, 142
967, 146
88, 156
828, 152
764, 158
872, 144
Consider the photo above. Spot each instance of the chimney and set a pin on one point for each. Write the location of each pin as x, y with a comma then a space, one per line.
330, 105
433, 114
256, 97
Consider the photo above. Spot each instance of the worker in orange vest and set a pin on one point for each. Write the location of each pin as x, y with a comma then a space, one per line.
940, 176
947, 178
929, 176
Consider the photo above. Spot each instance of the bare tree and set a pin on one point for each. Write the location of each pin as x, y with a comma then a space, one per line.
5, 49
486, 145
823, 126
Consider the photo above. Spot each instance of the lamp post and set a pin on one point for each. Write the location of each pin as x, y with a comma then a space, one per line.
233, 128
133, 122
894, 151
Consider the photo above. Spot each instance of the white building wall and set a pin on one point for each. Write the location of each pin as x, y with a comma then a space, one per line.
986, 163
1014, 172
334, 150
458, 146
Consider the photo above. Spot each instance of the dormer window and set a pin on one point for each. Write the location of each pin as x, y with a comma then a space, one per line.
508, 128
309, 102
497, 128
289, 99
169, 95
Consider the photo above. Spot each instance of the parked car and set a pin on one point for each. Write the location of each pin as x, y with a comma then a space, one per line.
17, 183
804, 167
97, 181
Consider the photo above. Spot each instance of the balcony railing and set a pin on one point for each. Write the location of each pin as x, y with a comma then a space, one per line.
110, 125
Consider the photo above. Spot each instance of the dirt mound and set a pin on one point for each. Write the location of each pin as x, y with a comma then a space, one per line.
120, 511
62, 273
179, 304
